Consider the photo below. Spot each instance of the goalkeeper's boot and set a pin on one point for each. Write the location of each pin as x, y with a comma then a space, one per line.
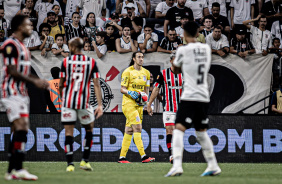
212, 172
23, 175
174, 172
147, 159
70, 168
85, 166
123, 161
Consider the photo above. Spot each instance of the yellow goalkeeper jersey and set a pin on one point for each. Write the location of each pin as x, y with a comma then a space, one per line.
134, 80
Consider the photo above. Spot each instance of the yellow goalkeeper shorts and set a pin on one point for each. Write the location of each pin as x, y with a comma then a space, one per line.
133, 114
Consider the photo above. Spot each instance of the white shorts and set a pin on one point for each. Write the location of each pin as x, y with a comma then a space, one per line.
16, 107
169, 118
85, 116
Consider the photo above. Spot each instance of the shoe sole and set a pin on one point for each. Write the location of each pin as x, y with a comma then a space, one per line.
86, 168
121, 162
177, 174
213, 174
153, 160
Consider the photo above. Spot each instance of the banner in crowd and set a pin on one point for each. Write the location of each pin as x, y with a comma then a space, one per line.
234, 83
235, 138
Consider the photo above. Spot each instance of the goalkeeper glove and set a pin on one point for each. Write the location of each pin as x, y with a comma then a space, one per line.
133, 94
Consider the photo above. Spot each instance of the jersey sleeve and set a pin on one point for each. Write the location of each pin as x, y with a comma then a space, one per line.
178, 58
95, 71
168, 14
274, 99
10, 54
160, 81
148, 79
63, 69
125, 78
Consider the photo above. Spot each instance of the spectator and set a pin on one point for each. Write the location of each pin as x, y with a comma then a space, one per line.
25, 12
174, 15
145, 5
138, 9
97, 7
101, 47
74, 29
33, 42
87, 46
46, 41
71, 7
148, 41
115, 23
220, 20
223, 5
240, 11
218, 42
55, 27
269, 10
11, 8
2, 37
4, 24
29, 4
59, 48
241, 45
42, 7
276, 100
179, 30
276, 29
125, 44
91, 28
276, 49
200, 38
111, 37
199, 8
261, 38
160, 12
170, 43
59, 19
208, 25
276, 67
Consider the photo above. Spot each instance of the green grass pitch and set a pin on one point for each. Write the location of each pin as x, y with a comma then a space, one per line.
138, 173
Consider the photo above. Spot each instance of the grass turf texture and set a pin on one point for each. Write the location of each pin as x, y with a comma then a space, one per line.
138, 173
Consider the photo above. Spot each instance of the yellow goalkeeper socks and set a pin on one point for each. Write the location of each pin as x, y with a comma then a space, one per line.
139, 143
125, 144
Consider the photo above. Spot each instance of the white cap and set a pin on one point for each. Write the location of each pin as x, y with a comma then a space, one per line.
130, 5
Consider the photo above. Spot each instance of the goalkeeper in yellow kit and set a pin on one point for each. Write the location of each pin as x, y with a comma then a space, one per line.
134, 79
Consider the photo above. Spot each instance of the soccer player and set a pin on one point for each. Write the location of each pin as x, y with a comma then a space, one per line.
194, 60
76, 74
172, 84
134, 79
14, 96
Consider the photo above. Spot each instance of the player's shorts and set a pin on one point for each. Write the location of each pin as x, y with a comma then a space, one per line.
169, 118
69, 116
193, 113
16, 107
133, 114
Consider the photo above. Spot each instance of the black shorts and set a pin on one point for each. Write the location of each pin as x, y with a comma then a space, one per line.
193, 114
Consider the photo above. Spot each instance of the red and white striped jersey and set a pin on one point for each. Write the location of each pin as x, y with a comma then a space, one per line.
15, 53
78, 70
172, 85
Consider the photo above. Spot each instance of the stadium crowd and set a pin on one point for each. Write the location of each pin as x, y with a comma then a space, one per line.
229, 26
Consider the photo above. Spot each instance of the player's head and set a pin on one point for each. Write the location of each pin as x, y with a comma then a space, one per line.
75, 45
22, 25
262, 21
216, 33
191, 30
276, 43
86, 46
55, 71
100, 37
59, 38
215, 9
137, 58
172, 57
126, 30
208, 21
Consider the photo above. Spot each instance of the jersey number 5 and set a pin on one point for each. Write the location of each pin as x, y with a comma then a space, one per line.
201, 74
77, 77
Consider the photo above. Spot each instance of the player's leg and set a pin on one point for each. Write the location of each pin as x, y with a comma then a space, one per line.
125, 143
87, 118
201, 125
137, 129
68, 119
168, 120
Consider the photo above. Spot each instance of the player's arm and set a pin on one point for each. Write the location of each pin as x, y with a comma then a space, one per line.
124, 85
154, 94
178, 61
97, 90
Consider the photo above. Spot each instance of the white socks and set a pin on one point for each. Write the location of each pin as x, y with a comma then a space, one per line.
207, 149
177, 150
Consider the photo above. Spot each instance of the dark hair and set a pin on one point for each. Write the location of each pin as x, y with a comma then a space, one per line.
191, 28
171, 29
55, 71
103, 34
217, 27
208, 17
59, 35
17, 21
86, 43
87, 23
44, 25
74, 14
109, 25
133, 56
55, 5
1, 7
215, 4
274, 40
148, 25
262, 17
126, 26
